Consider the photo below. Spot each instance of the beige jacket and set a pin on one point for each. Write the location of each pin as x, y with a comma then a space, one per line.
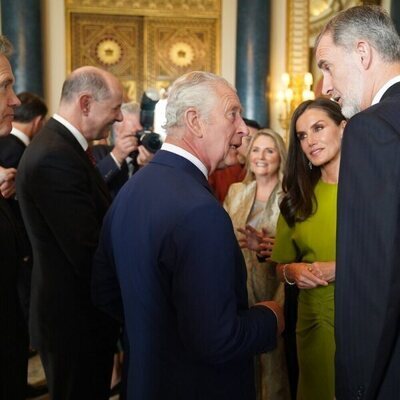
262, 283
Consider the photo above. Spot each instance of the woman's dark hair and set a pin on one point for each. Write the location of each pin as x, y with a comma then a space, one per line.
299, 180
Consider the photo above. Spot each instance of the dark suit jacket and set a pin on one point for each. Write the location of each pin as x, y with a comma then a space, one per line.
13, 332
63, 200
114, 176
367, 296
11, 150
183, 284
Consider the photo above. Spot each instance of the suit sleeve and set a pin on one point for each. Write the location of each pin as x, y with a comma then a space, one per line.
209, 280
106, 293
367, 296
10, 153
108, 168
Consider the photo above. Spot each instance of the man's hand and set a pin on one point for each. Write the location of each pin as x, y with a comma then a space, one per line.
7, 181
278, 311
125, 144
144, 156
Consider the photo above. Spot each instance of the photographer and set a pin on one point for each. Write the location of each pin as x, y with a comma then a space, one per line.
117, 163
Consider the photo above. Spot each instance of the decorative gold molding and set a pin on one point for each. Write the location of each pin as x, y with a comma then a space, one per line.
298, 31
187, 8
144, 43
179, 45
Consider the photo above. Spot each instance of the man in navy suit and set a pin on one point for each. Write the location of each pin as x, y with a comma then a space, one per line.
63, 200
181, 274
359, 55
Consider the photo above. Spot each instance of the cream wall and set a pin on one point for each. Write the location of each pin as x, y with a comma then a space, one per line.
54, 51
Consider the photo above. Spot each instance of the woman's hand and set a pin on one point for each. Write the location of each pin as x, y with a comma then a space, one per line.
325, 270
305, 276
258, 241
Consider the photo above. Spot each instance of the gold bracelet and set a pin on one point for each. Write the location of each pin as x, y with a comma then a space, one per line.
285, 277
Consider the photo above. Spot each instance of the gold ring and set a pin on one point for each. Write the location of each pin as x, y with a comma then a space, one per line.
310, 268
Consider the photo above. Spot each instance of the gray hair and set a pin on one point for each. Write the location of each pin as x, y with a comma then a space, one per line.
6, 47
130, 108
85, 79
280, 147
371, 23
195, 89
126, 108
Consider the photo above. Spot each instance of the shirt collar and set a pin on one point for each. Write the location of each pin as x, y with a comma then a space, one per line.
185, 154
78, 136
23, 137
384, 88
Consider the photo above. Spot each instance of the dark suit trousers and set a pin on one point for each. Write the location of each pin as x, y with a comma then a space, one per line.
78, 375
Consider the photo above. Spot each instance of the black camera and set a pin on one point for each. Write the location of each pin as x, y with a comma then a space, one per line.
150, 140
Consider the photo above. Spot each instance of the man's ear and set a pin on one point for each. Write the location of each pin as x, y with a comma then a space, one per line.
364, 52
342, 126
193, 122
85, 102
37, 123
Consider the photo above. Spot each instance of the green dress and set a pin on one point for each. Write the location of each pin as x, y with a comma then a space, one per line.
313, 240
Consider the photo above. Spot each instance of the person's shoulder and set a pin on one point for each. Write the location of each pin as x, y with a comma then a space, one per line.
240, 189
380, 118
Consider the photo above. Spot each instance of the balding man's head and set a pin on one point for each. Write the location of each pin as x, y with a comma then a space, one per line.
91, 101
86, 79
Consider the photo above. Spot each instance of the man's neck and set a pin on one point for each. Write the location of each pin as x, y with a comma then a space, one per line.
378, 78
24, 128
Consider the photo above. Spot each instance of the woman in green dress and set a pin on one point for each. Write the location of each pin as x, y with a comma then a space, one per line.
305, 240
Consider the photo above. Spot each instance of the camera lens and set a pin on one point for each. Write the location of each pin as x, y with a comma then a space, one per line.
151, 141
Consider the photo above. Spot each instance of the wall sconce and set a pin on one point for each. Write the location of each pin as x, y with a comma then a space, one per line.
295, 89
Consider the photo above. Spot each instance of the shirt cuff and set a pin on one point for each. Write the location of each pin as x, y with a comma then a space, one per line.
115, 160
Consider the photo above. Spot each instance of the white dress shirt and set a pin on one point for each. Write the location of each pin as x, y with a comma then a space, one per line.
185, 154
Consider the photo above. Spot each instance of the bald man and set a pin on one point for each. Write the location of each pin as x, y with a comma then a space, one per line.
63, 200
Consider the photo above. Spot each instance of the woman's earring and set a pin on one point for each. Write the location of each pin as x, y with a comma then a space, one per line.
310, 164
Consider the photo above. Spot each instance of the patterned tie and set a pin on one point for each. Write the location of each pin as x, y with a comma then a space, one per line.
91, 156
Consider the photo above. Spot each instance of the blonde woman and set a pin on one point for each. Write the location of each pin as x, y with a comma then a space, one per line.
254, 203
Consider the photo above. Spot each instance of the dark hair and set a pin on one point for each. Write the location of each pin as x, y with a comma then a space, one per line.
31, 107
252, 123
299, 180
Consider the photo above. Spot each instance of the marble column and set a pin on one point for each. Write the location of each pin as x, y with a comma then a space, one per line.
21, 23
253, 58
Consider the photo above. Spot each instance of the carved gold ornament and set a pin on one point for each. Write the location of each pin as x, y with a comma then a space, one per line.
108, 51
181, 54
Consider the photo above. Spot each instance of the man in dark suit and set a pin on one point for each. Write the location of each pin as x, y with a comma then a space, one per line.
29, 117
181, 274
116, 163
359, 55
13, 332
63, 200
